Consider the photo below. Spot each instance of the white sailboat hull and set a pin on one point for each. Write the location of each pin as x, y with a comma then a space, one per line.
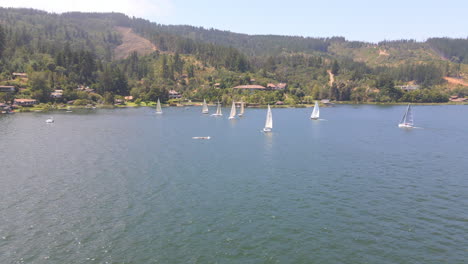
405, 125
266, 129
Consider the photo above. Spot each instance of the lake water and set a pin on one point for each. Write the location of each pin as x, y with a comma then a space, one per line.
129, 186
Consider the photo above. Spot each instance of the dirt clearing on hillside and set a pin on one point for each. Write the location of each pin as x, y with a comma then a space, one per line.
452, 80
132, 42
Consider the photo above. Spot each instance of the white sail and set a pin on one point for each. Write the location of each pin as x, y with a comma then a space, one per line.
241, 109
205, 107
158, 107
269, 121
316, 112
218, 110
407, 120
233, 111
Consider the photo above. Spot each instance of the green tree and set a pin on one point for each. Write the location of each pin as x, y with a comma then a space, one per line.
335, 67
40, 87
387, 88
2, 40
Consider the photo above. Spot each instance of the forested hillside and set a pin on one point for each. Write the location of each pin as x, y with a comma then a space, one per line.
453, 49
75, 50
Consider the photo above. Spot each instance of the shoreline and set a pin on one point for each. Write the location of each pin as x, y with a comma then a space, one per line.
132, 105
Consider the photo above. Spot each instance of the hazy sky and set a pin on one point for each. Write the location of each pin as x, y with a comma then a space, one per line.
356, 20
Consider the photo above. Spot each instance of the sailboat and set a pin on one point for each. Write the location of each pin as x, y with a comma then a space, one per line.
233, 111
407, 120
205, 107
218, 110
241, 110
269, 121
158, 107
316, 112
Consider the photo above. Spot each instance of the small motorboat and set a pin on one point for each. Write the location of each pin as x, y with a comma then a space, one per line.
201, 137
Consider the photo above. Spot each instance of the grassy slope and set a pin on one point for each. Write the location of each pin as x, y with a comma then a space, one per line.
380, 55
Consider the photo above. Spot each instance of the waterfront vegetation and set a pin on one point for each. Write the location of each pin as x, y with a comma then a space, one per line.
76, 53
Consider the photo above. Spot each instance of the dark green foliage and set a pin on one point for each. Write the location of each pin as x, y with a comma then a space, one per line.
455, 50
335, 67
424, 96
424, 74
113, 80
40, 87
388, 91
256, 45
2, 40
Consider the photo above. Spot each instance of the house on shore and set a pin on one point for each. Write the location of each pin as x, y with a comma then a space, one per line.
251, 87
7, 89
408, 87
57, 94
24, 102
173, 94
5, 108
455, 98
326, 102
279, 86
85, 89
19, 75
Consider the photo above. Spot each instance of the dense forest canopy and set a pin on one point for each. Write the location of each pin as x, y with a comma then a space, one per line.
71, 50
453, 49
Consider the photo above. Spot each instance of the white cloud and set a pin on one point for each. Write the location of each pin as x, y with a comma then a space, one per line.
150, 9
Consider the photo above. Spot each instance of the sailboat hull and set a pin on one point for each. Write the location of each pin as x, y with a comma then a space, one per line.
405, 126
267, 129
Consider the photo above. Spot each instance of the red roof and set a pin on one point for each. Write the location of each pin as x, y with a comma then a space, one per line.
25, 100
281, 85
249, 87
